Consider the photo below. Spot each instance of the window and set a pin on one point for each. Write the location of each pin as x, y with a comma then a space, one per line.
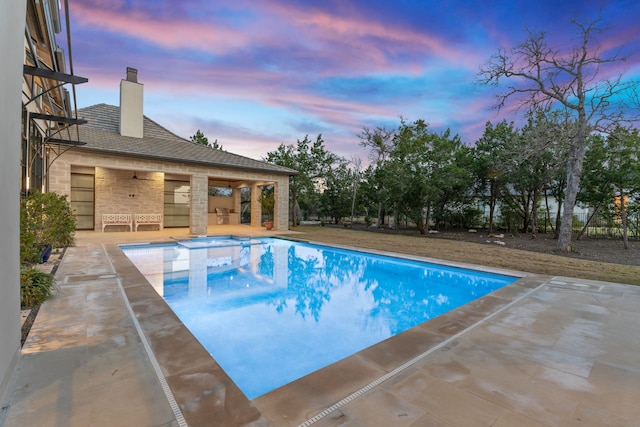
82, 200
177, 202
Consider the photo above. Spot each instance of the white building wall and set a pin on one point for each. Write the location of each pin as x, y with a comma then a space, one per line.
131, 105
12, 21
553, 207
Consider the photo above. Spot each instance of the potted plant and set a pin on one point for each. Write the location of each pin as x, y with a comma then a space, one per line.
45, 250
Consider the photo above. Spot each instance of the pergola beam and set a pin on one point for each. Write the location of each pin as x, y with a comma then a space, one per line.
63, 142
57, 119
53, 75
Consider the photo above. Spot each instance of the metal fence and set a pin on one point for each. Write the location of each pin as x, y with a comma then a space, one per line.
599, 227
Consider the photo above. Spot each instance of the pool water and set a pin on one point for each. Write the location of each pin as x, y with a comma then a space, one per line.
270, 311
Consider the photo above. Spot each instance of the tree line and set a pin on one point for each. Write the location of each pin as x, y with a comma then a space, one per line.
433, 180
577, 147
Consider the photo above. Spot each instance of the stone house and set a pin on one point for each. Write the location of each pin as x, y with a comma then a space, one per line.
125, 163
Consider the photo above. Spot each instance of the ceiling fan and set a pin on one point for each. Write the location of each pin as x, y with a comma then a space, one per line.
135, 176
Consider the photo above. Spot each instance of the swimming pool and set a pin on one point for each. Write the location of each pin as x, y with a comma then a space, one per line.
271, 311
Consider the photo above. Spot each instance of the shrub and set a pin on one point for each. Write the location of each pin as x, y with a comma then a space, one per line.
35, 286
28, 249
471, 217
44, 218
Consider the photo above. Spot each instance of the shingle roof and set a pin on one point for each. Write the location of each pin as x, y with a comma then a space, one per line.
102, 134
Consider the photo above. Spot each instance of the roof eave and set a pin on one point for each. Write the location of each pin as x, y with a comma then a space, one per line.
289, 172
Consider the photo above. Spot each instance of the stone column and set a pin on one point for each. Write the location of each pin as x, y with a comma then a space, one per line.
281, 209
199, 200
237, 202
256, 209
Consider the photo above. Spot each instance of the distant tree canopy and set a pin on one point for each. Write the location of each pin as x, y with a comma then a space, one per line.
418, 173
200, 139
312, 161
542, 76
431, 180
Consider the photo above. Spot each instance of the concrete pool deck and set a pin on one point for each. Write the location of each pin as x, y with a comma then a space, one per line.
544, 351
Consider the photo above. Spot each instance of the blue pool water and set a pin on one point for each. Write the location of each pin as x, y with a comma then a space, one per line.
271, 311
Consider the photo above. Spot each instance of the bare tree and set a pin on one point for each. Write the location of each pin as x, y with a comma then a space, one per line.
545, 77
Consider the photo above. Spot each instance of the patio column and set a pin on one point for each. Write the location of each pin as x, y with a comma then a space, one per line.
256, 209
281, 208
199, 199
237, 202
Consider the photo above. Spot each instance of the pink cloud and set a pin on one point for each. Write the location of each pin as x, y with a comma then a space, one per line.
368, 38
175, 34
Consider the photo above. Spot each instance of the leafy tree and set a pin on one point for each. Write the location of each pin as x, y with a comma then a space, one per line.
456, 195
624, 171
368, 193
490, 165
595, 190
380, 143
200, 139
560, 128
337, 197
356, 178
538, 157
546, 76
311, 160
421, 166
612, 174
268, 201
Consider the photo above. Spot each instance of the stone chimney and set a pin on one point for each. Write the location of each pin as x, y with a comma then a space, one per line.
131, 105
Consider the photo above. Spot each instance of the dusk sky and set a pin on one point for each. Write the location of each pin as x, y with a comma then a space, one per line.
255, 74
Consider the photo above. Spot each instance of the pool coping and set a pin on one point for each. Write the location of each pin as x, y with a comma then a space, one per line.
205, 394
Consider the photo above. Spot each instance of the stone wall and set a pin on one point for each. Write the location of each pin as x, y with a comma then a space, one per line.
222, 202
120, 191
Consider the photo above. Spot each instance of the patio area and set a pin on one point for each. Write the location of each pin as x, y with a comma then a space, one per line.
544, 351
